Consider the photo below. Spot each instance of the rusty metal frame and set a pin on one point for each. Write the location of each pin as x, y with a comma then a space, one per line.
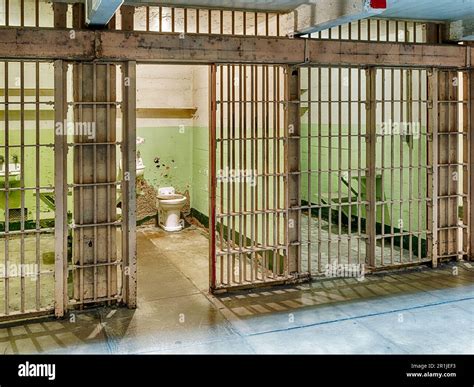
148, 47
129, 247
248, 132
60, 192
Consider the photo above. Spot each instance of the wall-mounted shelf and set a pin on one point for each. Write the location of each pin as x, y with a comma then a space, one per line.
166, 113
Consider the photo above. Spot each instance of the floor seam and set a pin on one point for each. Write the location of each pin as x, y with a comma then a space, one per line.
360, 317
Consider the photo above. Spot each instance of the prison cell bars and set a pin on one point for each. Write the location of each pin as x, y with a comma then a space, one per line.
211, 21
403, 114
247, 135
95, 182
21, 98
190, 20
381, 30
450, 164
394, 242
328, 92
17, 13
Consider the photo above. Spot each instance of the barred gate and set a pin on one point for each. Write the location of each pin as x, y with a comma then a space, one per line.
384, 166
27, 210
248, 202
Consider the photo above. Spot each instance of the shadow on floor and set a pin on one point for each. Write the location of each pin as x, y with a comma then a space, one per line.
416, 311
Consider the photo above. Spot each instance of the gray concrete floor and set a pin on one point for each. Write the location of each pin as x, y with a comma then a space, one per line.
44, 292
350, 243
418, 311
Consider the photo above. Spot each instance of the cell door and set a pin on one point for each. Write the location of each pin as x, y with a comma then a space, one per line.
27, 196
249, 241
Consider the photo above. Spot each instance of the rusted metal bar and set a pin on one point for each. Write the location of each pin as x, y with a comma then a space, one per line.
433, 190
468, 204
293, 127
60, 192
371, 149
129, 247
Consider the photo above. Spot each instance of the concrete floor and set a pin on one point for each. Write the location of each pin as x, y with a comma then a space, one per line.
349, 243
417, 311
44, 285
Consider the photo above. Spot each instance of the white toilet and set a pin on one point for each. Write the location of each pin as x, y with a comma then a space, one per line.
169, 207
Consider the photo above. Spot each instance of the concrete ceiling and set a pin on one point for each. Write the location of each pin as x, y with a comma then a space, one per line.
435, 10
263, 5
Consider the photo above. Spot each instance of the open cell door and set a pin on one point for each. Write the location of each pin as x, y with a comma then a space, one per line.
249, 227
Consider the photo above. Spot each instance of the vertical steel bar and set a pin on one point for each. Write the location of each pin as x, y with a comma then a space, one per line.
371, 165
22, 177
186, 20
279, 169
339, 162
221, 22
349, 158
147, 17
7, 13
109, 174
60, 191
382, 172
212, 174
253, 129
229, 196
243, 120
401, 226
275, 176
241, 148
160, 19
232, 141
470, 159
173, 20
198, 20
409, 133
434, 128
37, 14
221, 166
7, 184
37, 185
255, 16
359, 162
129, 249
330, 151
256, 164
264, 139
293, 127
319, 170
310, 165
422, 139
94, 180
392, 164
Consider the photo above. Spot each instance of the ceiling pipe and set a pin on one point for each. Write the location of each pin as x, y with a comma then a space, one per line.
99, 12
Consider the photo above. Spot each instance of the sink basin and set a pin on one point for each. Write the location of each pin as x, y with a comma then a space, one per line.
14, 171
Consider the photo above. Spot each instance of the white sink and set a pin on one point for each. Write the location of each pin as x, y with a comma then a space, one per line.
14, 170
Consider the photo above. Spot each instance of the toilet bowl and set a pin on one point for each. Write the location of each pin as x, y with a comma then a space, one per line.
169, 207
140, 167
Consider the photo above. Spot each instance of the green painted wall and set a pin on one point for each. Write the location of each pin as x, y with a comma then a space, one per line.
29, 168
168, 156
401, 180
200, 170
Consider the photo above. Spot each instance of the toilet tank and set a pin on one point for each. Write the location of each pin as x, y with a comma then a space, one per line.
166, 191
